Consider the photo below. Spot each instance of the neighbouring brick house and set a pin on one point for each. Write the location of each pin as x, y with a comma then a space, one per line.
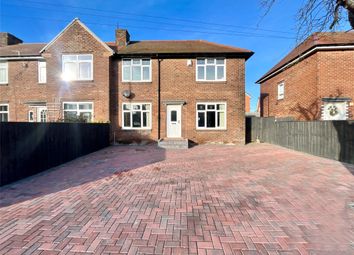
314, 81
145, 89
247, 103
33, 88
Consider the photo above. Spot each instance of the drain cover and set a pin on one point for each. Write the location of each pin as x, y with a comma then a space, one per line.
351, 205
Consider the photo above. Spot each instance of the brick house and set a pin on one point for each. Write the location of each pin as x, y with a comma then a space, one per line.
314, 81
145, 89
247, 102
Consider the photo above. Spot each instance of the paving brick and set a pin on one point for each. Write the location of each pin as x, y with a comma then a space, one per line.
255, 199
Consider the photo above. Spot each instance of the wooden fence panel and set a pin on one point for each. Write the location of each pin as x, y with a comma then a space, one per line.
330, 139
29, 148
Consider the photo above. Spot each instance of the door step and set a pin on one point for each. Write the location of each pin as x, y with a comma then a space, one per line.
170, 143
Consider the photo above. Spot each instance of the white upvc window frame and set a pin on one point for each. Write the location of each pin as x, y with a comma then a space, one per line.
77, 108
42, 69
131, 65
281, 90
149, 127
6, 112
77, 67
39, 114
206, 103
5, 65
31, 116
210, 64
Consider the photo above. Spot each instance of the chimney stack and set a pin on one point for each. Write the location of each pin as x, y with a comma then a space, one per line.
8, 39
122, 38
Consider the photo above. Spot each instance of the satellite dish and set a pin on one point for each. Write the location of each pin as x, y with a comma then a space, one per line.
126, 93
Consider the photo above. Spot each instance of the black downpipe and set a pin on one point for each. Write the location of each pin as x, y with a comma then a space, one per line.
158, 99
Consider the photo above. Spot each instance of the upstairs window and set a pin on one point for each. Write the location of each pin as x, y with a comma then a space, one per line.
136, 116
42, 72
78, 111
281, 90
136, 70
211, 69
4, 72
4, 112
211, 115
77, 67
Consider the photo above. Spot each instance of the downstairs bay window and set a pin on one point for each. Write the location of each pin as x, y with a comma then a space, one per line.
78, 111
211, 116
136, 116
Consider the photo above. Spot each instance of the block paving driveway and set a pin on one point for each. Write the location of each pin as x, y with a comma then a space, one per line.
254, 199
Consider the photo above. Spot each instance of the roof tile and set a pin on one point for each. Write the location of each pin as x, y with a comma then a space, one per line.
22, 50
138, 47
178, 47
316, 39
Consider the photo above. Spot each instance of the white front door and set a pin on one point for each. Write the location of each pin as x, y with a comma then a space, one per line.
42, 114
174, 121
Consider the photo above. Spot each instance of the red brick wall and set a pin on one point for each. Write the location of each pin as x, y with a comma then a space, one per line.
23, 83
323, 74
335, 75
300, 97
178, 82
247, 103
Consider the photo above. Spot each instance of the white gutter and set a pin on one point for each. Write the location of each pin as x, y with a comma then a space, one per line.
344, 47
21, 58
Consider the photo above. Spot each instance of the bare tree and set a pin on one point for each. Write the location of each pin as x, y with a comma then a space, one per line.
317, 15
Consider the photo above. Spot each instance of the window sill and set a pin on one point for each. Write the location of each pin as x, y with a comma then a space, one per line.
4, 84
211, 129
136, 129
80, 81
212, 82
136, 82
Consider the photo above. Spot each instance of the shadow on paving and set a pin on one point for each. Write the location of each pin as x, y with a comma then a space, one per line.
346, 141
114, 160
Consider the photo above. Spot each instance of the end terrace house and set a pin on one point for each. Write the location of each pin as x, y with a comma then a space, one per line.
146, 90
314, 81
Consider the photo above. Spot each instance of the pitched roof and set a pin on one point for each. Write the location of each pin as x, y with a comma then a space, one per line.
133, 48
313, 41
21, 50
180, 47
141, 47
29, 49
76, 20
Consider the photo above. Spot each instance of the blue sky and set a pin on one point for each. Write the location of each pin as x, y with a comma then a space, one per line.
232, 22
